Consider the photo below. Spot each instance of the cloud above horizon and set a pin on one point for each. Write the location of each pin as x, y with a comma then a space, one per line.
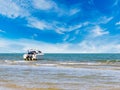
74, 26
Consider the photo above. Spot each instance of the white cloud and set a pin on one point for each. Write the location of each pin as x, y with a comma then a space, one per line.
66, 12
103, 20
118, 23
73, 11
21, 8
10, 9
98, 31
94, 46
115, 2
34, 36
18, 9
86, 46
73, 38
66, 28
17, 45
39, 24
49, 4
58, 27
44, 4
2, 31
66, 37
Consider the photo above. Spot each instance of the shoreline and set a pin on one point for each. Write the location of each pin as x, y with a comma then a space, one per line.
77, 65
51, 77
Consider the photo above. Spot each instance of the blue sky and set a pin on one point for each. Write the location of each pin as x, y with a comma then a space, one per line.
60, 26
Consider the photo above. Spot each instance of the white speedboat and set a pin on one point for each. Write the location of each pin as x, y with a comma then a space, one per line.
33, 55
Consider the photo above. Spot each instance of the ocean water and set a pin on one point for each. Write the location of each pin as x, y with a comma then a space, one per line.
66, 57
60, 72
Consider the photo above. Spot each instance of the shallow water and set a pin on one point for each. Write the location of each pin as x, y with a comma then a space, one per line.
60, 73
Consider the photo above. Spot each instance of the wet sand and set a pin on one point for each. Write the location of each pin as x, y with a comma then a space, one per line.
16, 87
60, 76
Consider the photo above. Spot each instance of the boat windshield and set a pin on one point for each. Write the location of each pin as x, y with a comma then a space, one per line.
32, 52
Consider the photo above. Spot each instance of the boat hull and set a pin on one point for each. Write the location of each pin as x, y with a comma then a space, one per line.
30, 57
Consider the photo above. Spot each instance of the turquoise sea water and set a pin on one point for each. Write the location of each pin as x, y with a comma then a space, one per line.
65, 57
61, 71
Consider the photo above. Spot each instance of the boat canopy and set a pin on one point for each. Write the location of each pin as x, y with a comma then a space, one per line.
31, 51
